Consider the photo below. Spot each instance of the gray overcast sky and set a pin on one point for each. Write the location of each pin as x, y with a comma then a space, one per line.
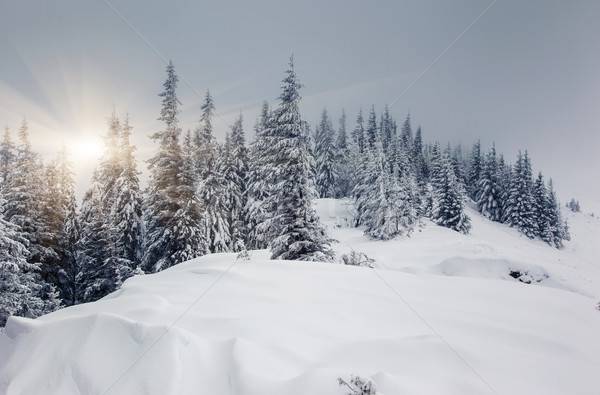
526, 75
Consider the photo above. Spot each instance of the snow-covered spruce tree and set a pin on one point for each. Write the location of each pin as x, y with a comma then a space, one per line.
24, 197
204, 140
448, 204
213, 196
540, 199
418, 159
326, 172
168, 230
406, 136
298, 233
358, 133
126, 211
342, 159
474, 170
55, 198
371, 130
261, 180
190, 218
520, 205
504, 177
489, 193
236, 180
98, 274
558, 226
69, 276
7, 157
22, 291
387, 133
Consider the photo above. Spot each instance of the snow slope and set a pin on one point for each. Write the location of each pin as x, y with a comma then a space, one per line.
440, 314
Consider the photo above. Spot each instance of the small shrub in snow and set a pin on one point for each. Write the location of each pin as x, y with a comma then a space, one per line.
357, 259
243, 255
574, 206
359, 386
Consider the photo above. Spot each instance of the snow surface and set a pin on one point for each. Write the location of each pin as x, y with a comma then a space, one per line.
439, 314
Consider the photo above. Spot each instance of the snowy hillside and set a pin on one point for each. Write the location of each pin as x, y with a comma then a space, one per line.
441, 313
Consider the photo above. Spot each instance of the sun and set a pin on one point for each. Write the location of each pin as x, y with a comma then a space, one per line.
85, 148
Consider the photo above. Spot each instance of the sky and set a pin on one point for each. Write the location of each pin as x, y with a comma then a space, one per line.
525, 75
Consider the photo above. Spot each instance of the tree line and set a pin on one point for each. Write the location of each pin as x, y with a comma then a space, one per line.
206, 196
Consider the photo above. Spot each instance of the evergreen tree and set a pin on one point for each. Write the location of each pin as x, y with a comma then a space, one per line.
388, 134
98, 274
520, 210
55, 198
504, 179
406, 136
213, 195
342, 158
489, 194
22, 291
387, 205
168, 230
7, 158
474, 172
418, 158
70, 274
558, 227
236, 179
126, 211
448, 204
24, 197
542, 209
326, 176
358, 134
204, 139
299, 234
261, 179
371, 131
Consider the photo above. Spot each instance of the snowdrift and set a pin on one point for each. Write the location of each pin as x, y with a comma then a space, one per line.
438, 315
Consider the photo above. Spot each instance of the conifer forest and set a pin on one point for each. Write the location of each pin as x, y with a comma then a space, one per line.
254, 190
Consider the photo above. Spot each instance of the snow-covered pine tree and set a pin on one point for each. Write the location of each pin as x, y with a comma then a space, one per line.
326, 171
236, 179
24, 197
474, 170
261, 179
69, 276
204, 140
98, 274
358, 133
126, 213
7, 157
418, 159
167, 232
342, 159
406, 136
542, 209
520, 205
448, 204
190, 218
22, 291
504, 177
371, 130
58, 190
299, 234
489, 193
391, 208
558, 226
387, 134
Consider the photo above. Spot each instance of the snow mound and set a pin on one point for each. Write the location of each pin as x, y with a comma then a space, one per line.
273, 327
441, 313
